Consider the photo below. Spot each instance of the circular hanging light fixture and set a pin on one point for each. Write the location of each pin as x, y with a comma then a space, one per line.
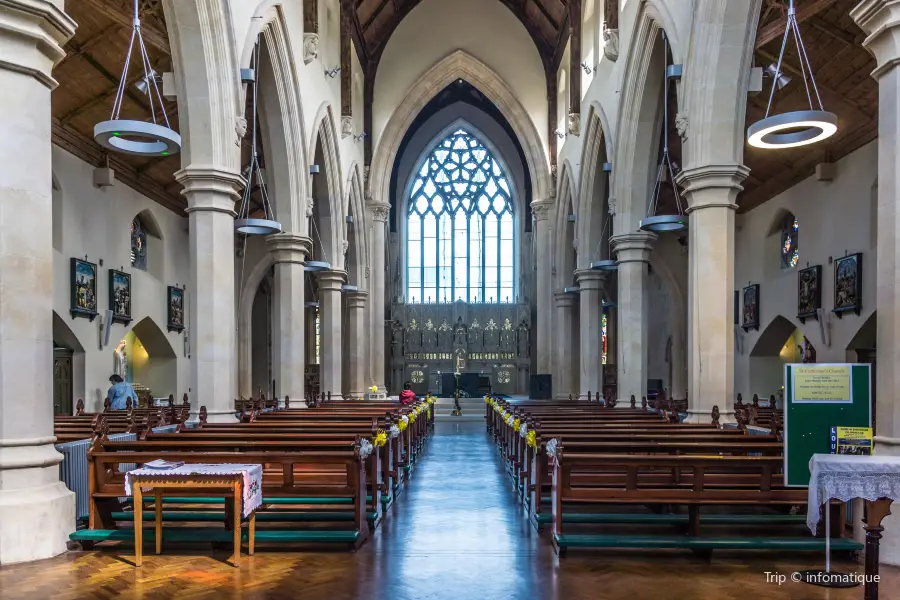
673, 222
346, 288
605, 265
312, 304
315, 266
139, 138
266, 225
796, 128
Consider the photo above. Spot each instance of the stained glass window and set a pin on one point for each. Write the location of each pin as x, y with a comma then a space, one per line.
318, 339
138, 245
460, 226
603, 333
790, 242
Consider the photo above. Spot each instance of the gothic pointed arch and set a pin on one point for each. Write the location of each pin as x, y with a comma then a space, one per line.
327, 189
356, 231
593, 205
773, 337
565, 255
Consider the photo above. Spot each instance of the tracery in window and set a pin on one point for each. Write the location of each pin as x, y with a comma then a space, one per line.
138, 245
790, 242
460, 240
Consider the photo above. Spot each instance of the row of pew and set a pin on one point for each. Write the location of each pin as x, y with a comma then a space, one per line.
632, 477
139, 420
330, 473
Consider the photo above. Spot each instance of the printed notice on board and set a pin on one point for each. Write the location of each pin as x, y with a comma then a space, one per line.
822, 383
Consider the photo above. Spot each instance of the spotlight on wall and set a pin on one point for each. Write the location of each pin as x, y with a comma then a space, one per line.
360, 137
586, 68
333, 72
781, 79
144, 84
559, 134
313, 169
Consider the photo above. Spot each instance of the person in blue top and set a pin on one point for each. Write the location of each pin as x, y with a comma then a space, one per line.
119, 392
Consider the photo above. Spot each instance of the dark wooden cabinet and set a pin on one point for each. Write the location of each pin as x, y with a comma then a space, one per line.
62, 381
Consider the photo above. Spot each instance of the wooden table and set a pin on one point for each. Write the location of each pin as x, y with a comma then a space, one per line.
229, 484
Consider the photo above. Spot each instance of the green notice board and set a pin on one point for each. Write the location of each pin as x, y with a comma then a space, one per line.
818, 397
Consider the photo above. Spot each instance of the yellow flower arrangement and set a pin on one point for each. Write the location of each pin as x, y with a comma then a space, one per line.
516, 424
412, 417
487, 399
531, 438
402, 425
373, 389
380, 438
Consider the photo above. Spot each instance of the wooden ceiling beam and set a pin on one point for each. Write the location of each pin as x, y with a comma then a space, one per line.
775, 29
547, 15
73, 50
114, 80
835, 32
375, 13
89, 151
560, 48
152, 35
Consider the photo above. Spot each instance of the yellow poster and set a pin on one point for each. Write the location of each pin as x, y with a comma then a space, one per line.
822, 383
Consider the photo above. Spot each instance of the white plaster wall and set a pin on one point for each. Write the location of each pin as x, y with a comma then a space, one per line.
834, 217
486, 30
96, 222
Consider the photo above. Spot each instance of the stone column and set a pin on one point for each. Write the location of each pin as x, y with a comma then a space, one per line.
544, 341
710, 193
211, 193
880, 19
37, 512
289, 251
330, 283
380, 213
633, 253
563, 380
356, 346
590, 328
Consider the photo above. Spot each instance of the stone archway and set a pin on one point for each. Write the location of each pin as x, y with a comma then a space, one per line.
776, 346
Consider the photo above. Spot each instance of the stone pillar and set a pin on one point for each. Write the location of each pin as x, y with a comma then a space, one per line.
590, 328
880, 19
330, 283
544, 338
356, 346
711, 192
211, 194
37, 512
563, 380
289, 251
633, 253
678, 385
380, 213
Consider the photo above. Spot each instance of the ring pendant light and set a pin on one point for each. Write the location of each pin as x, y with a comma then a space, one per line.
607, 264
139, 138
266, 225
797, 128
672, 222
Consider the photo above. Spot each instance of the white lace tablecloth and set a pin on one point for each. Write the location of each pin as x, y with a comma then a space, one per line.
252, 475
845, 477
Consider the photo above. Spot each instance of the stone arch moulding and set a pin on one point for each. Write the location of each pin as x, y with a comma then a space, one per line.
281, 115
209, 114
597, 148
154, 339
777, 220
245, 323
773, 337
150, 223
356, 206
459, 65
325, 130
566, 200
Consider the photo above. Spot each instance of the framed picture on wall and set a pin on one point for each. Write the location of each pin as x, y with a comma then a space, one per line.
175, 309
809, 292
84, 289
750, 315
848, 284
120, 296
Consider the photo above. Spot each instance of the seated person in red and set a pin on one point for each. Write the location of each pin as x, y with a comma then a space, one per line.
407, 396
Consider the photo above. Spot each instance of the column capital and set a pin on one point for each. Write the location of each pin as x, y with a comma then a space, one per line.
209, 188
588, 279
564, 299
880, 19
33, 33
541, 209
633, 247
289, 247
331, 281
380, 210
724, 178
356, 299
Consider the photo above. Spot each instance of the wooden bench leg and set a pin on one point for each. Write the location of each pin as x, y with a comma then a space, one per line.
236, 515
875, 512
157, 506
251, 542
138, 526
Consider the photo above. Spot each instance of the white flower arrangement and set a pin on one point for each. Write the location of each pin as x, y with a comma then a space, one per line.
395, 431
509, 420
365, 448
523, 430
552, 446
405, 419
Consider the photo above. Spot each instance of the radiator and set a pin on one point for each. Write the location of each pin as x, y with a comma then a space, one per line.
73, 470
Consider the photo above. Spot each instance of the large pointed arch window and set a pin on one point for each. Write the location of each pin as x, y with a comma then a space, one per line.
460, 226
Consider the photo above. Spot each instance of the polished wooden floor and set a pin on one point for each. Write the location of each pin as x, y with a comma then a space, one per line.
456, 532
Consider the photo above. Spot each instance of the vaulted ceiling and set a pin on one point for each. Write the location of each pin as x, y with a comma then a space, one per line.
545, 20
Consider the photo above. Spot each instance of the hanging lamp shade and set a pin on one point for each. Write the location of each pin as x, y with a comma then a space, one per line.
244, 223
796, 128
666, 173
315, 266
605, 265
312, 304
138, 138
